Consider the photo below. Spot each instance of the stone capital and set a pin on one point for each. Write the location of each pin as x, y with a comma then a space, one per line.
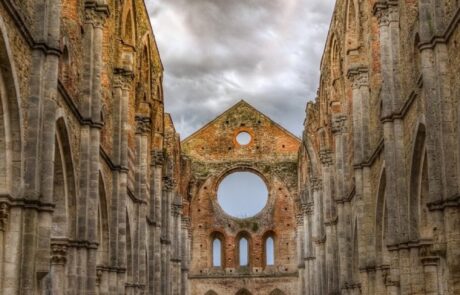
143, 125
339, 124
325, 157
4, 214
168, 183
96, 14
158, 157
123, 79
176, 209
358, 76
58, 253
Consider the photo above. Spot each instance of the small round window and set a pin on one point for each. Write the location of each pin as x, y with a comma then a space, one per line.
243, 138
242, 194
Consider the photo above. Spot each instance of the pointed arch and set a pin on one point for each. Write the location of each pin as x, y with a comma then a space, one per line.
243, 292
128, 28
277, 292
64, 188
419, 187
269, 249
11, 165
103, 225
243, 249
355, 253
129, 250
217, 250
352, 26
381, 222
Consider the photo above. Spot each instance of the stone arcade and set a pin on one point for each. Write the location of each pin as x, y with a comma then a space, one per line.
98, 195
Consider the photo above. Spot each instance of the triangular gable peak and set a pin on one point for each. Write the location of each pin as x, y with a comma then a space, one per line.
217, 140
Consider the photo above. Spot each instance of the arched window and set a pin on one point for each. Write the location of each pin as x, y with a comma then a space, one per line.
217, 249
243, 292
269, 251
243, 252
216, 252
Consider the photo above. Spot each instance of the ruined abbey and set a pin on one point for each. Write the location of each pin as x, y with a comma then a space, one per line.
100, 195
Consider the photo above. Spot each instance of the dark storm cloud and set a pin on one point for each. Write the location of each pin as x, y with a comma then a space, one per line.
216, 52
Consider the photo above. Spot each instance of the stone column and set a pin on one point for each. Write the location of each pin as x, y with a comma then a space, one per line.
430, 271
168, 186
95, 15
330, 221
58, 267
141, 191
185, 252
155, 217
32, 238
442, 133
4, 213
176, 258
300, 238
319, 237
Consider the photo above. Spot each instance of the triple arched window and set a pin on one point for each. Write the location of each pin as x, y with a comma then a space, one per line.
243, 248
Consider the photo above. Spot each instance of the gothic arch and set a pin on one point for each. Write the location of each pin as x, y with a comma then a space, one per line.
418, 210
243, 292
355, 253
352, 26
266, 238
277, 292
381, 222
216, 235
103, 225
129, 250
239, 240
64, 192
128, 24
10, 120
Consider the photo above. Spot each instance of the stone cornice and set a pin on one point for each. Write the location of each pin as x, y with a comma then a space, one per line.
369, 162
452, 202
444, 38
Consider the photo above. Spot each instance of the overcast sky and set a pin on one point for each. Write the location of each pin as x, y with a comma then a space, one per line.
217, 52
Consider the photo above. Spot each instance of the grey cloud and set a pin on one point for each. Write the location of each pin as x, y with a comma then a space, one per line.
216, 52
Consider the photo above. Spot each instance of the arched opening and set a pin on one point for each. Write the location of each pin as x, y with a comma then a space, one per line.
277, 292
381, 232
129, 251
217, 255
351, 26
243, 292
355, 254
63, 219
59, 229
128, 33
243, 250
242, 194
103, 226
419, 188
10, 123
211, 292
269, 249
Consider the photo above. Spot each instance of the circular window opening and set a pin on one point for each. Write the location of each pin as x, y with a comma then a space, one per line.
242, 194
243, 138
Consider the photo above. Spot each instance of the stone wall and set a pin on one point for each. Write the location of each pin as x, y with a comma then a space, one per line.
89, 173
379, 164
215, 153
